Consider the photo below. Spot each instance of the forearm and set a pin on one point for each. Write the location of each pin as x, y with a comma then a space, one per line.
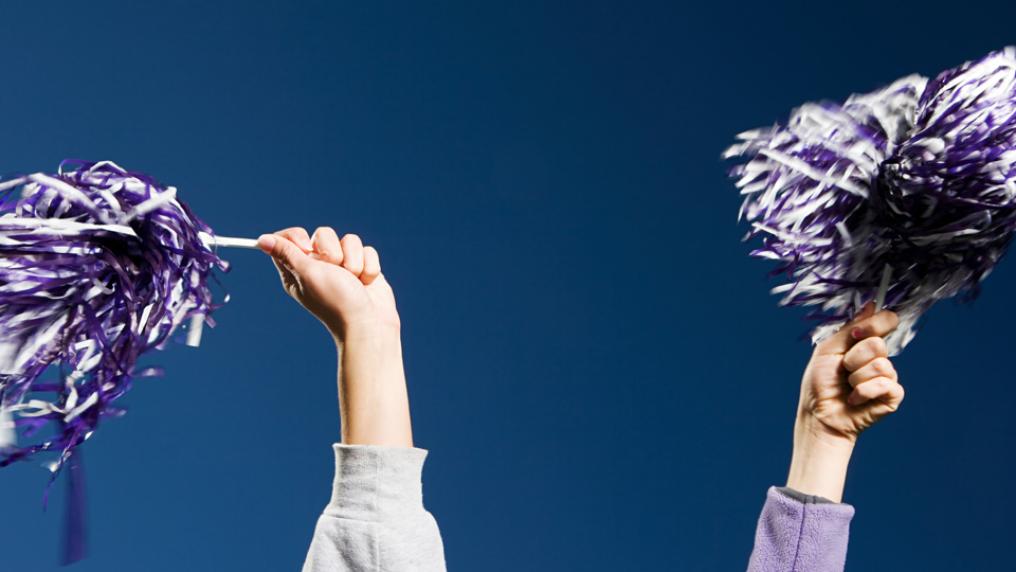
805, 526
373, 401
848, 385
819, 463
375, 521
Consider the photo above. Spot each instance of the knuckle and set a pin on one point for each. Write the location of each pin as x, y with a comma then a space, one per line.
873, 388
883, 366
896, 397
297, 235
850, 361
854, 380
877, 347
325, 231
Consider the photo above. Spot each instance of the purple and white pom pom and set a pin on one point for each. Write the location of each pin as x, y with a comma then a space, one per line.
97, 266
906, 195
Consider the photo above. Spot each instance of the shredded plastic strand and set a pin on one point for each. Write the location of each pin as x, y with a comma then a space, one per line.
98, 265
915, 181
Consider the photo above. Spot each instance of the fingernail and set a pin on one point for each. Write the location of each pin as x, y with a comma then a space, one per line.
856, 333
266, 242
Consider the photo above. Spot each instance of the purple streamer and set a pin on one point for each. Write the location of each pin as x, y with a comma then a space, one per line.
917, 180
75, 531
98, 265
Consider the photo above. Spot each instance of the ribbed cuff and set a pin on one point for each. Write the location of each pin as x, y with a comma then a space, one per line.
804, 498
792, 506
375, 483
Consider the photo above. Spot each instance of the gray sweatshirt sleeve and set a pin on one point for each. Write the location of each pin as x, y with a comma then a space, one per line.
375, 520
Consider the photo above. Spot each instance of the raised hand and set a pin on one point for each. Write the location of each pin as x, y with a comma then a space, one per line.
340, 282
337, 280
848, 385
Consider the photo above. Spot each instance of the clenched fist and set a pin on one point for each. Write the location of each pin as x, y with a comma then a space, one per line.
337, 280
848, 385
340, 282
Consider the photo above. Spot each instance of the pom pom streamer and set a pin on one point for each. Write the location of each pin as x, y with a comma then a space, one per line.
97, 266
906, 195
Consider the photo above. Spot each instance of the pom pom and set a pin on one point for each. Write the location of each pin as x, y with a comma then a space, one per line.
910, 188
97, 266
946, 199
807, 188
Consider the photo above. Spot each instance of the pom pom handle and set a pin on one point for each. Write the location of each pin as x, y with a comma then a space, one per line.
883, 288
70, 226
228, 241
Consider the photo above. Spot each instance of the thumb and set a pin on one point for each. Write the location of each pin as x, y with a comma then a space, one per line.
841, 341
284, 251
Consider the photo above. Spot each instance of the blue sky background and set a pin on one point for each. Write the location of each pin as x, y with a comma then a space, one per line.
595, 364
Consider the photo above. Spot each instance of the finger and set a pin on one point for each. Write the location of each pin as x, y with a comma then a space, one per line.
867, 323
284, 251
371, 265
840, 342
881, 389
289, 280
878, 367
284, 273
298, 236
879, 325
863, 352
352, 253
867, 311
326, 245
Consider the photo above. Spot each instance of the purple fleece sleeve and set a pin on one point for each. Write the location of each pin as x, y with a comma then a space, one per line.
795, 536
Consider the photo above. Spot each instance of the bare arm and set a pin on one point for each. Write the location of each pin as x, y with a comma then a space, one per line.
848, 385
340, 282
375, 520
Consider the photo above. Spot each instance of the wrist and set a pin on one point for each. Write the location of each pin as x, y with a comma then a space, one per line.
364, 330
820, 460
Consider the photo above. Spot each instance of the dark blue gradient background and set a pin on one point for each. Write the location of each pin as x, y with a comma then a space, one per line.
595, 364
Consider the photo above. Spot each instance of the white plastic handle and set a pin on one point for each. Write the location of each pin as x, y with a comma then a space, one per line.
883, 288
228, 241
